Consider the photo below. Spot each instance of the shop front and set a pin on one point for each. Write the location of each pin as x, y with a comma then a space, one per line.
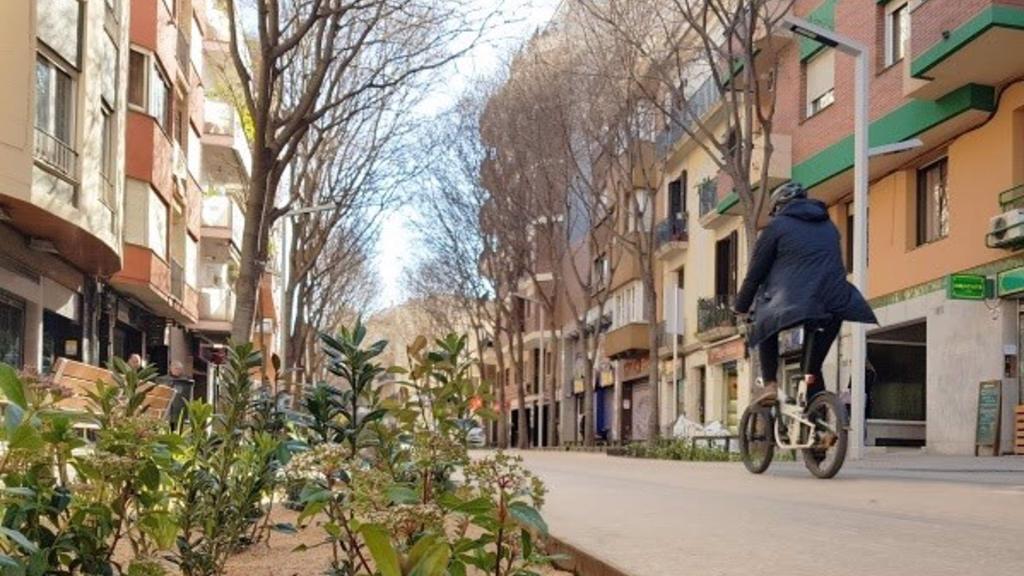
723, 398
636, 400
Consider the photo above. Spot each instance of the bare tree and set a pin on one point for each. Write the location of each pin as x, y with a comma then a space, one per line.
459, 251
701, 52
309, 58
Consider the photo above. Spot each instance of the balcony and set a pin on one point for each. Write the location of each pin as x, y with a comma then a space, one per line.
626, 341
969, 43
216, 309
224, 138
701, 103
715, 318
177, 280
665, 337
717, 201
780, 164
157, 284
56, 155
671, 236
222, 219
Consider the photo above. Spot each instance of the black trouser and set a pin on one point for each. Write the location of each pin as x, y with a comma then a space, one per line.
819, 337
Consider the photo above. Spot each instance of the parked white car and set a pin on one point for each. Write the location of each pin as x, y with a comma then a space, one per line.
476, 438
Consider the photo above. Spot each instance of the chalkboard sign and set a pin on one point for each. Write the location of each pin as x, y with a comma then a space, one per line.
990, 399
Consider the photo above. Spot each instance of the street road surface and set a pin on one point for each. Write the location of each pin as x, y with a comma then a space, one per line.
918, 517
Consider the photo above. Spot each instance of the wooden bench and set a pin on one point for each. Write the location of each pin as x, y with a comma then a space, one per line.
81, 380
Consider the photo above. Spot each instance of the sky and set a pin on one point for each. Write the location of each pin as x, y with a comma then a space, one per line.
396, 250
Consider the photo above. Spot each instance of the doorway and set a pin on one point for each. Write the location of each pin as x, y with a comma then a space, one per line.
896, 386
731, 381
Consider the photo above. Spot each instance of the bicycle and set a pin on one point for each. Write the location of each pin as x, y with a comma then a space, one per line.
819, 429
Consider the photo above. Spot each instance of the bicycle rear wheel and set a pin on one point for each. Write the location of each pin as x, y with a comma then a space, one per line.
757, 438
830, 435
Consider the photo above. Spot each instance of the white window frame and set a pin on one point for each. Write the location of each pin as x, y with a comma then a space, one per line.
890, 29
146, 69
57, 67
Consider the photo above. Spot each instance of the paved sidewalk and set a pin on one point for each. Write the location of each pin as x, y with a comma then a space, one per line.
902, 515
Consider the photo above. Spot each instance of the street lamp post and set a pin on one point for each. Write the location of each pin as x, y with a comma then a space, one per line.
286, 312
862, 79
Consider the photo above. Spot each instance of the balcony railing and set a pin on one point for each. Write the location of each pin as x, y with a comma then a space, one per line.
707, 194
177, 280
665, 337
216, 304
56, 154
671, 229
714, 313
697, 106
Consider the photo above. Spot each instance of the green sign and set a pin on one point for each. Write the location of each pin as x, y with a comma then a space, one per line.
990, 397
967, 287
1010, 281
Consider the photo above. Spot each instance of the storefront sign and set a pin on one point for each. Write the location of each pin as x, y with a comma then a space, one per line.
732, 350
607, 378
577, 386
1010, 282
634, 369
990, 401
967, 287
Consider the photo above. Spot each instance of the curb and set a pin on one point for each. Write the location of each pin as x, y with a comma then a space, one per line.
579, 562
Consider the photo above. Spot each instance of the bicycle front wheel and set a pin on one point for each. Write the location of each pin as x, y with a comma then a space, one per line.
830, 432
757, 438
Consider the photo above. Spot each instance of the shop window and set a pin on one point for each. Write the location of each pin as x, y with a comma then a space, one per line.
932, 202
12, 330
820, 72
897, 32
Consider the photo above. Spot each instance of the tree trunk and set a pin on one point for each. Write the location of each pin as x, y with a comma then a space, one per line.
589, 425
654, 424
251, 267
554, 391
523, 442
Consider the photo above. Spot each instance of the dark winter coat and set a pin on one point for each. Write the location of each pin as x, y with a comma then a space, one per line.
796, 274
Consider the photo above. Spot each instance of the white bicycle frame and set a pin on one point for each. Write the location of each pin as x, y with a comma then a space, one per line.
794, 415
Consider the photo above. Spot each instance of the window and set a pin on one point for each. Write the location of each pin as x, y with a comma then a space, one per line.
179, 120
897, 31
628, 305
600, 271
149, 90
12, 330
108, 153
54, 100
820, 76
160, 97
137, 79
677, 197
639, 216
932, 202
726, 265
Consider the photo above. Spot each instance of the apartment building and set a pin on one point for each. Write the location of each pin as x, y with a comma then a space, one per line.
61, 178
156, 296
942, 75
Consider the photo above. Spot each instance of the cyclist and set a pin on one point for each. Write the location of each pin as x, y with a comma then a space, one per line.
796, 277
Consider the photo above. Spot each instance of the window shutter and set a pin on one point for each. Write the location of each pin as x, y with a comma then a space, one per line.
733, 261
821, 74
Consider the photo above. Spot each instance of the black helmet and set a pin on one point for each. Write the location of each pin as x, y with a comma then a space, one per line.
785, 194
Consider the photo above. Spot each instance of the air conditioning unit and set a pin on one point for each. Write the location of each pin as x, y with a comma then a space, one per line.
1007, 229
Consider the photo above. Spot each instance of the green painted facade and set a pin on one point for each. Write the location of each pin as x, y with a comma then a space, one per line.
905, 122
991, 17
940, 284
824, 15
